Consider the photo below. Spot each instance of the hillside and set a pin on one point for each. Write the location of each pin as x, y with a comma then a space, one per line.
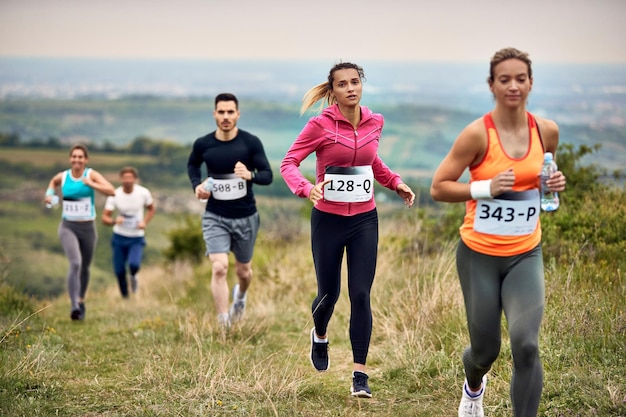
161, 353
415, 137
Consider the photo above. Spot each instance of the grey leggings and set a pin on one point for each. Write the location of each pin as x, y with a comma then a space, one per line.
515, 285
79, 243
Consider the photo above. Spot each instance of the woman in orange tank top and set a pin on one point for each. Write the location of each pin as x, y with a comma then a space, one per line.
499, 262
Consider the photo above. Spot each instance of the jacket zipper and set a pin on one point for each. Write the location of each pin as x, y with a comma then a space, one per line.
356, 136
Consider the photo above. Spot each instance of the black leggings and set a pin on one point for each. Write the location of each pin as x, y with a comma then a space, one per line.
331, 234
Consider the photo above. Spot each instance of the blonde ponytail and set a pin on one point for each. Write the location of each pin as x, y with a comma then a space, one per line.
322, 92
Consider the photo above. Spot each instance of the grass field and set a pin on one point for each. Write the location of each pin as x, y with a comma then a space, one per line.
161, 353
51, 159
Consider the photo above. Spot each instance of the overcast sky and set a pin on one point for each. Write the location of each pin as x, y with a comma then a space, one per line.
415, 30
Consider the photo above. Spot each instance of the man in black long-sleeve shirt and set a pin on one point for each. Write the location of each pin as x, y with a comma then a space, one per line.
235, 159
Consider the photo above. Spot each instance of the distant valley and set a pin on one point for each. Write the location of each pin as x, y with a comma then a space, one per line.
425, 104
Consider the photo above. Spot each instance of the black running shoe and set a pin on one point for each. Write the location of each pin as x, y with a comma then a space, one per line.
75, 315
359, 386
319, 354
83, 311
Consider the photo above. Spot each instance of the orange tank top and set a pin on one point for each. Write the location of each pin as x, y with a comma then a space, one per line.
507, 224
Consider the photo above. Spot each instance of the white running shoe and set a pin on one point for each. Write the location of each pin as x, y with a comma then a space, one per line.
223, 320
238, 307
472, 406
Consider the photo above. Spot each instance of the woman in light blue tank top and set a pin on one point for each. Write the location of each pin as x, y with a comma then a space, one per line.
77, 230
78, 197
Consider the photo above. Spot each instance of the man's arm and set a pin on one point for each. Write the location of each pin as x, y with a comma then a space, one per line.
194, 164
262, 171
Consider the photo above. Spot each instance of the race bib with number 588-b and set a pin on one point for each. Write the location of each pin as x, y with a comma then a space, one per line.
228, 187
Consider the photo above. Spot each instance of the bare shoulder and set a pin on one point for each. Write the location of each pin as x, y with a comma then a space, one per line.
549, 133
470, 146
477, 126
547, 126
58, 177
473, 135
94, 175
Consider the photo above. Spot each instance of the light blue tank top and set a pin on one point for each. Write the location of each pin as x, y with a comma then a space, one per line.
78, 198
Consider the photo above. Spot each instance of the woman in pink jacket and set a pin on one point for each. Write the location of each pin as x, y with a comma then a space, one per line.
345, 139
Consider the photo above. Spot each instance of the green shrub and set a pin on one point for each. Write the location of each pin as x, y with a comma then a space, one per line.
13, 302
186, 242
589, 225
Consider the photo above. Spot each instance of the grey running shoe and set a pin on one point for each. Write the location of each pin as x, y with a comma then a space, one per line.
319, 354
359, 387
134, 284
224, 321
238, 307
472, 406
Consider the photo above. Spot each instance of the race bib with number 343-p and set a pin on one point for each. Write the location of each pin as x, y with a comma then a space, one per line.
509, 214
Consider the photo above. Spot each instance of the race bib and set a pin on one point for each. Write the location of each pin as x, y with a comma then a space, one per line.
130, 222
228, 187
509, 214
349, 184
77, 209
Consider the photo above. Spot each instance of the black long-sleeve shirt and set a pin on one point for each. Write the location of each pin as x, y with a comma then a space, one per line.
220, 157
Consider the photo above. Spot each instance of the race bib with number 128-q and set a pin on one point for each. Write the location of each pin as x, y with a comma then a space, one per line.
349, 184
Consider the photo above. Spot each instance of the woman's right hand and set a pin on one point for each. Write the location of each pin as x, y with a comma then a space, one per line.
502, 182
317, 192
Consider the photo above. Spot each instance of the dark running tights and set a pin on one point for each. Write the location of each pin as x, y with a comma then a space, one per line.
515, 285
126, 250
331, 234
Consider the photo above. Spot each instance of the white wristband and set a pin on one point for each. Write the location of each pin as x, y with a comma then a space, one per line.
480, 189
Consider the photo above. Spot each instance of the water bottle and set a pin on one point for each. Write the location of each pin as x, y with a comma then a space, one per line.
208, 186
549, 199
54, 202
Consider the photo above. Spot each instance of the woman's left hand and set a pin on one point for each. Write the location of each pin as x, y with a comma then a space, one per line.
556, 182
406, 193
88, 181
